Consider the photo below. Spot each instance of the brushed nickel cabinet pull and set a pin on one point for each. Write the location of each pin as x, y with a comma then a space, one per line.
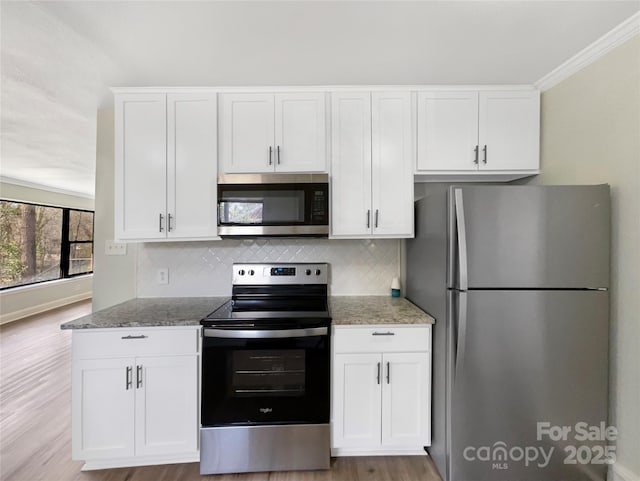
388, 372
376, 222
278, 152
378, 373
368, 218
141, 336
160, 218
270, 154
477, 154
484, 151
139, 377
388, 333
128, 378
169, 217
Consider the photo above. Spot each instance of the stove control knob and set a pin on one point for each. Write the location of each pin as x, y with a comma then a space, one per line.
308, 272
241, 272
251, 272
318, 272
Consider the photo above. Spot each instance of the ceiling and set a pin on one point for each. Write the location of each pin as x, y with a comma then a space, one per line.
59, 58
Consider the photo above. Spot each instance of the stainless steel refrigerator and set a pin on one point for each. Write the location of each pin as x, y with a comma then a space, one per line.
517, 278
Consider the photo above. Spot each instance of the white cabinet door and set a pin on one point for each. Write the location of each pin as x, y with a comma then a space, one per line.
392, 164
300, 135
356, 400
192, 165
140, 166
509, 130
406, 399
351, 164
447, 131
247, 132
166, 405
103, 408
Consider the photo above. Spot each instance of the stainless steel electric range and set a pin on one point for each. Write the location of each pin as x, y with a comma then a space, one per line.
265, 372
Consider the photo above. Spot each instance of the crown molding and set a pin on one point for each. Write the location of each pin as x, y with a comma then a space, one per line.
610, 40
33, 185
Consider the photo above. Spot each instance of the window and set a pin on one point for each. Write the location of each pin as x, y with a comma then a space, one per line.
40, 243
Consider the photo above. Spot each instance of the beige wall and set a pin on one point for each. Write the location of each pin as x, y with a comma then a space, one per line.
591, 134
25, 301
114, 278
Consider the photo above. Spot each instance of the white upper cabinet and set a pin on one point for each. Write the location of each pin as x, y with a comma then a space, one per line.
351, 164
192, 166
509, 130
140, 166
371, 165
166, 166
485, 132
272, 132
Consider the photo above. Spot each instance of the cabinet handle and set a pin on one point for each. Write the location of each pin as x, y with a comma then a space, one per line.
368, 218
278, 153
477, 154
378, 373
388, 333
388, 372
141, 336
160, 218
139, 377
376, 221
270, 154
169, 217
484, 151
128, 378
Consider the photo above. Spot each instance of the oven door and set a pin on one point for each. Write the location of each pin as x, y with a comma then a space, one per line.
254, 377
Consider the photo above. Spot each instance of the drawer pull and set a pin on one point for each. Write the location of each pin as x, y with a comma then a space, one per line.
388, 333
142, 336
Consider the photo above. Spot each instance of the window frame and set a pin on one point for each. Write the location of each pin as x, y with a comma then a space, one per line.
65, 243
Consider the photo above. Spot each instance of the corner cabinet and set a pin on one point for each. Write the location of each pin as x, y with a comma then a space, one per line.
493, 133
165, 166
381, 396
135, 396
267, 132
372, 164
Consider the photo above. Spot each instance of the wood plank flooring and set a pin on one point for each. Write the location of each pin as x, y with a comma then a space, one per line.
35, 420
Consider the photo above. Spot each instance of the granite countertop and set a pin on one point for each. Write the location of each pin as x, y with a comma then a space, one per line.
150, 312
347, 310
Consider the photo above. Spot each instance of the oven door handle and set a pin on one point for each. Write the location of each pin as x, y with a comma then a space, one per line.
265, 334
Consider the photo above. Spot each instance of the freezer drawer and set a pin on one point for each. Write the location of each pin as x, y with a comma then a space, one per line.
529, 236
523, 358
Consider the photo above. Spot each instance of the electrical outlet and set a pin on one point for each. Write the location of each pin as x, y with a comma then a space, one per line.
113, 248
162, 276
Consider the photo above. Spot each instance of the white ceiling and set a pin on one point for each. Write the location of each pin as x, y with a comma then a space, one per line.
58, 58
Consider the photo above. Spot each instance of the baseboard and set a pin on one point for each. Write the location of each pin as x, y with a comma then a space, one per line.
47, 306
618, 472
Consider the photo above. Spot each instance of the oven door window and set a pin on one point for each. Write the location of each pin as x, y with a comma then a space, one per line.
267, 373
265, 381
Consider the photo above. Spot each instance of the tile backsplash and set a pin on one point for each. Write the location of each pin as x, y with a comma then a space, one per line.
357, 267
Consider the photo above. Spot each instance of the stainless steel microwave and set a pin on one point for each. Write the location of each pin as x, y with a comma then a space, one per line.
273, 205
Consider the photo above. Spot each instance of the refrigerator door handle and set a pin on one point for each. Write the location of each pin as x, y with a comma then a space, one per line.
462, 241
461, 336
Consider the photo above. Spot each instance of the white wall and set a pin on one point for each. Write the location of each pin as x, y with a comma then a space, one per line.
114, 278
591, 134
21, 302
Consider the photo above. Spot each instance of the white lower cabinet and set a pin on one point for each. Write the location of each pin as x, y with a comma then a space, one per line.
134, 397
381, 396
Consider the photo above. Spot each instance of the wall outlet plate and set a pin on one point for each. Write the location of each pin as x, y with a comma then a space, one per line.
162, 276
113, 248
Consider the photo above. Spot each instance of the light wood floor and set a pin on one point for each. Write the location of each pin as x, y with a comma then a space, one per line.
35, 420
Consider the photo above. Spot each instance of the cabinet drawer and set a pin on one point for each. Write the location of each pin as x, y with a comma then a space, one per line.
382, 338
124, 342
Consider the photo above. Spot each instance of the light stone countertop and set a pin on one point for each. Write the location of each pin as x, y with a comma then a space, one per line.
150, 312
347, 310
